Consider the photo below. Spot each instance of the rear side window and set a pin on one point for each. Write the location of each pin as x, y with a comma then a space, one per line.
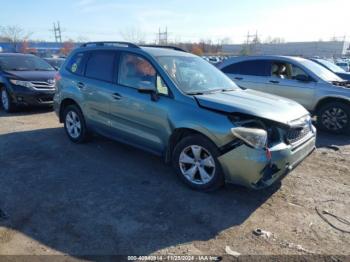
100, 65
252, 68
76, 63
231, 69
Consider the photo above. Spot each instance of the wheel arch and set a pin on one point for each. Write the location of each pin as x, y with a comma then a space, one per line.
178, 134
327, 100
66, 102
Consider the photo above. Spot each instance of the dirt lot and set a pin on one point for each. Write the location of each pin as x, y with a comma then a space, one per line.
107, 198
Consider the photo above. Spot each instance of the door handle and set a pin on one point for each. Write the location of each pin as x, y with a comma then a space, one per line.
238, 78
117, 96
274, 81
80, 85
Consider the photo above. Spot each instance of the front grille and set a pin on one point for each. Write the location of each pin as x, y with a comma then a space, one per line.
40, 85
294, 135
44, 99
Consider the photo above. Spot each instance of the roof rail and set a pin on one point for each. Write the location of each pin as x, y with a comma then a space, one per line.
166, 46
109, 43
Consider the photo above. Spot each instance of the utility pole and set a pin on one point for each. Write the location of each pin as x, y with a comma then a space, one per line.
252, 44
57, 32
163, 36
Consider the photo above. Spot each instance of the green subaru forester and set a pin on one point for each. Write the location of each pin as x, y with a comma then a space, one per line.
176, 105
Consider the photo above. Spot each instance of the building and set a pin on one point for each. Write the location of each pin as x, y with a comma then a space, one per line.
44, 49
327, 49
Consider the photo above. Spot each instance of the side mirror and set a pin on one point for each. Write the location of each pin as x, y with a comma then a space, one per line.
302, 78
148, 87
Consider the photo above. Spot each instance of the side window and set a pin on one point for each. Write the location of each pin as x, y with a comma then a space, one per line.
76, 64
135, 71
100, 65
250, 68
284, 70
298, 71
161, 86
254, 68
232, 69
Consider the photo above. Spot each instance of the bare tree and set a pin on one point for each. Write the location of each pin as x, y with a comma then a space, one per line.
134, 35
14, 33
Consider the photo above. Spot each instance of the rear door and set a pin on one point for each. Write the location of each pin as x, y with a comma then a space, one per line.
98, 88
288, 86
250, 74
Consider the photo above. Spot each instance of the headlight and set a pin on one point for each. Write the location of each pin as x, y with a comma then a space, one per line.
21, 83
254, 137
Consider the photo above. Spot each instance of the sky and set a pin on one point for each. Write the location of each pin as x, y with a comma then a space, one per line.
186, 20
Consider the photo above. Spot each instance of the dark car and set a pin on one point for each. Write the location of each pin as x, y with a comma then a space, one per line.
25, 80
333, 67
55, 62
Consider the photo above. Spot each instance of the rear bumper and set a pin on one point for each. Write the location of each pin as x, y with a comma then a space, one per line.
27, 96
250, 167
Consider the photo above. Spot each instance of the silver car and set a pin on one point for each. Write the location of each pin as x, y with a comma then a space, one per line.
316, 88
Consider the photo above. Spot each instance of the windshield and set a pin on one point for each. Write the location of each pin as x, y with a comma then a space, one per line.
24, 63
194, 75
320, 71
331, 66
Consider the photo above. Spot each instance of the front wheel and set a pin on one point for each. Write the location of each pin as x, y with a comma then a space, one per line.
334, 117
6, 101
74, 124
195, 160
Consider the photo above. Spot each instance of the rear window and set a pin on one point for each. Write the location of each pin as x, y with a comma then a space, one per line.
76, 63
100, 65
253, 68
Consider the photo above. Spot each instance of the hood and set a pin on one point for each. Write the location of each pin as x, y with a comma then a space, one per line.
31, 75
254, 103
345, 75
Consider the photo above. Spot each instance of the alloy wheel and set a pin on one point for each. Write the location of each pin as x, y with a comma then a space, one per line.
73, 124
5, 99
197, 165
335, 118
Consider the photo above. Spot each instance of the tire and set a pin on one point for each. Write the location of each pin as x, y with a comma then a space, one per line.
6, 101
74, 124
334, 117
196, 178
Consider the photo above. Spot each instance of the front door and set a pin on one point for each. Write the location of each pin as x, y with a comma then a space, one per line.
136, 118
284, 82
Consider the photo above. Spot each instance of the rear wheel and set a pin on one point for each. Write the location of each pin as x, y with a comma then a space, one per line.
334, 117
195, 160
74, 124
6, 101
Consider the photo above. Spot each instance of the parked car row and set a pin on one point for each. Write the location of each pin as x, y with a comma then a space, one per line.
318, 89
25, 80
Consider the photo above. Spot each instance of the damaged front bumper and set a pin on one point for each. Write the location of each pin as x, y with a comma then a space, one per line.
250, 167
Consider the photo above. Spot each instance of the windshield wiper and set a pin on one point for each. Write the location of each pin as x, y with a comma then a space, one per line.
17, 69
221, 90
42, 69
194, 93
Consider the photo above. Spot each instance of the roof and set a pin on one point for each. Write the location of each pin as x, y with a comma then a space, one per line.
153, 50
260, 57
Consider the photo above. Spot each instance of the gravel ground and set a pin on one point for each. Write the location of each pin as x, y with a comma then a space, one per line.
105, 198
